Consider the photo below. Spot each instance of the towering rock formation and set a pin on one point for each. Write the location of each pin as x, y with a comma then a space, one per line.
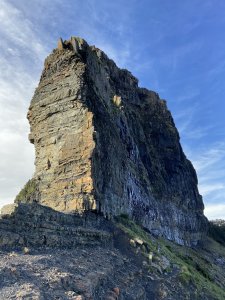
102, 143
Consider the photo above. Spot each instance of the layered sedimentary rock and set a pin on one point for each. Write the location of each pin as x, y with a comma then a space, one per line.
102, 143
34, 225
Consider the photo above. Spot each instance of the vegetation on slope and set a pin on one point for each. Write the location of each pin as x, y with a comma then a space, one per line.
28, 191
196, 269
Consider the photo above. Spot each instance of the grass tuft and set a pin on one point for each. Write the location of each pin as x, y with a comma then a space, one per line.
27, 191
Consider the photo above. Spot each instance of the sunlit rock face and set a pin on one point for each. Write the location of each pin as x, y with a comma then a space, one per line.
102, 143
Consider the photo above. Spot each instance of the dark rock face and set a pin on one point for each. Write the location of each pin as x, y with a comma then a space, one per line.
102, 143
33, 225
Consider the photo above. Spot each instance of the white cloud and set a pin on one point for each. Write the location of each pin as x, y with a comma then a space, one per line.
206, 189
207, 157
211, 157
210, 167
215, 211
186, 122
19, 30
20, 51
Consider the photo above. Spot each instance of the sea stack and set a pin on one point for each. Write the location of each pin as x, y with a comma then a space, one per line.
104, 144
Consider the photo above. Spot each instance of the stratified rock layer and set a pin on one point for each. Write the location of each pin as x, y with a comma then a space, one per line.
33, 225
102, 143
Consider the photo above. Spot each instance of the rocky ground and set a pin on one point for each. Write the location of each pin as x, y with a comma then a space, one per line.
51, 255
90, 273
109, 272
81, 273
46, 254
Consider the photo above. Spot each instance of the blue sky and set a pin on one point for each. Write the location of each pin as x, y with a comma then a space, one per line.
173, 47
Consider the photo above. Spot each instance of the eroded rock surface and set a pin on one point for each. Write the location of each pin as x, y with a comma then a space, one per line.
102, 143
33, 225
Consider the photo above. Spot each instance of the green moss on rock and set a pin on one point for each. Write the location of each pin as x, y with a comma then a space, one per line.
28, 193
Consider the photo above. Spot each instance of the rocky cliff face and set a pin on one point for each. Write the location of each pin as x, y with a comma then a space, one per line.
102, 143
